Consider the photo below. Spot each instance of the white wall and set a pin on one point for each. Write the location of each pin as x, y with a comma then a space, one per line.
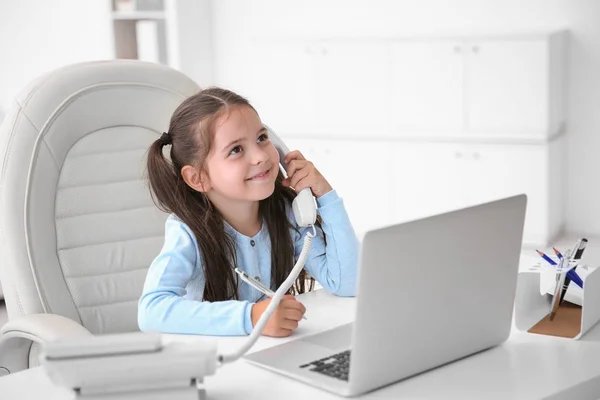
237, 23
37, 36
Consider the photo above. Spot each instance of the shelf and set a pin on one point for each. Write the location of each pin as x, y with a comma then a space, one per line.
138, 15
177, 33
425, 137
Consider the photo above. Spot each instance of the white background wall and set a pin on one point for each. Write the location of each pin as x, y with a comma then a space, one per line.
238, 23
38, 36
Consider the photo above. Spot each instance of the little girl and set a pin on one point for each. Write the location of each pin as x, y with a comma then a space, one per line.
230, 207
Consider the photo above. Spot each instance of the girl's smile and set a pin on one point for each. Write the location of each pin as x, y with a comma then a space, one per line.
262, 176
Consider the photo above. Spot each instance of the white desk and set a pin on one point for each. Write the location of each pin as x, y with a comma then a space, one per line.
525, 367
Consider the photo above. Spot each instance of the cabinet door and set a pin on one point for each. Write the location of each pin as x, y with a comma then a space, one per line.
427, 178
279, 81
360, 172
498, 171
427, 87
352, 81
507, 87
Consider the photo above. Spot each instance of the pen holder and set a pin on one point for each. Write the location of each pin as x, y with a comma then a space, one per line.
571, 321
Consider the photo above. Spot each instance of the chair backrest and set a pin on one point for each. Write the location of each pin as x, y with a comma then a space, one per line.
78, 229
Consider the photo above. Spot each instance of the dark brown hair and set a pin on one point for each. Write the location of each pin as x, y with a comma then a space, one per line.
191, 134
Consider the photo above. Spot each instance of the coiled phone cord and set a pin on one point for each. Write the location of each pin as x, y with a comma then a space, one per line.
281, 291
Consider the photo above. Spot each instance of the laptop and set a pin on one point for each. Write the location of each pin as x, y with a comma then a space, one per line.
430, 291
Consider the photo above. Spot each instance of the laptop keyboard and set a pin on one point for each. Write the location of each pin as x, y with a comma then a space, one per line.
336, 365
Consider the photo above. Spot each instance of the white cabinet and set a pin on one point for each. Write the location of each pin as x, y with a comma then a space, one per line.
424, 177
493, 87
414, 126
455, 87
386, 182
352, 83
319, 88
279, 82
439, 177
426, 88
507, 86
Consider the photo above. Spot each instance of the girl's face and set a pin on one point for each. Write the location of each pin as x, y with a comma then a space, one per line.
243, 163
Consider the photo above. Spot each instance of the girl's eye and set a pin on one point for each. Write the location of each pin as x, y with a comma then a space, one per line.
262, 138
235, 150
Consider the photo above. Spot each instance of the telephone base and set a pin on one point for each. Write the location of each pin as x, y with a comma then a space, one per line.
182, 393
130, 366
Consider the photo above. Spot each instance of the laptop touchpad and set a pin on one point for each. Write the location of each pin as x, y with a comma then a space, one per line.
335, 339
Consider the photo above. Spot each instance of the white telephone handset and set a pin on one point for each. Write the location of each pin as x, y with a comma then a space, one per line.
304, 206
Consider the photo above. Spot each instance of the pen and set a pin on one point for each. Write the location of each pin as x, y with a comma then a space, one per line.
559, 286
579, 248
567, 278
256, 284
576, 255
571, 274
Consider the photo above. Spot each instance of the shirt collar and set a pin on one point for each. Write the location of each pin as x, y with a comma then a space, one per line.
230, 230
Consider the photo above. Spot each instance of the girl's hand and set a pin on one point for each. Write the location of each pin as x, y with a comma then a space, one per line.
285, 318
303, 174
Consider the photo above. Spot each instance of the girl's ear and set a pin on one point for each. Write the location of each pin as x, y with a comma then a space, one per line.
196, 178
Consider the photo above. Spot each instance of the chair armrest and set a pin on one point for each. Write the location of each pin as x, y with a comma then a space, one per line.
21, 337
43, 328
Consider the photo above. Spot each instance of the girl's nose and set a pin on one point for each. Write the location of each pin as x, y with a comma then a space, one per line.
259, 156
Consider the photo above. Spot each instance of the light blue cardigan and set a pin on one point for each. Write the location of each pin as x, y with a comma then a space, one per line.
171, 301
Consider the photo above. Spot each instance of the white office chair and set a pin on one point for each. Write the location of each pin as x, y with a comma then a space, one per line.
1, 119
78, 228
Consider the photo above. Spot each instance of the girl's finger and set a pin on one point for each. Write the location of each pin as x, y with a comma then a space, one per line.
303, 184
293, 155
281, 332
293, 166
288, 324
294, 315
299, 175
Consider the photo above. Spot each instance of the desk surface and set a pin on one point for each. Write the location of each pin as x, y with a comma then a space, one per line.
527, 366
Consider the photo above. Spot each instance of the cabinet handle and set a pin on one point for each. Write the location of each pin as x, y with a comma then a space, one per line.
475, 49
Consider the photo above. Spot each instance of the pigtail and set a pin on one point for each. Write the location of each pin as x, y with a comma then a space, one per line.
162, 176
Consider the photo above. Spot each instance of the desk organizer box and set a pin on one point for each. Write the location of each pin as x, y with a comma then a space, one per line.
571, 321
